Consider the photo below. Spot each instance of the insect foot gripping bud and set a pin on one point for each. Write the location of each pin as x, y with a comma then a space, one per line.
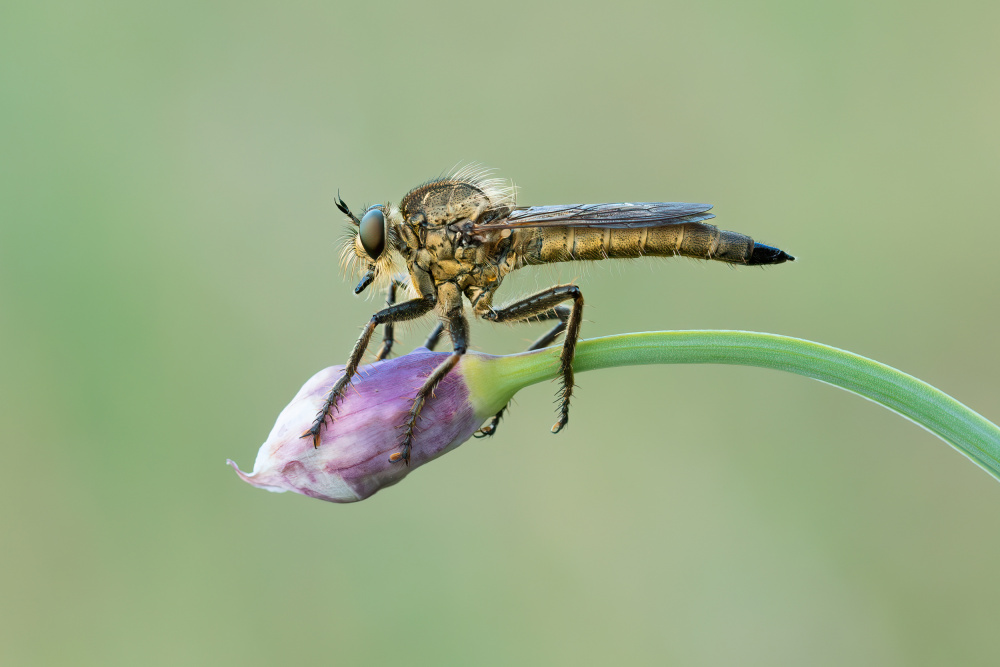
355, 455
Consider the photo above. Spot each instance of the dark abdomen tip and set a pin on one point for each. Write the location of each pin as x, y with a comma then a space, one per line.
765, 254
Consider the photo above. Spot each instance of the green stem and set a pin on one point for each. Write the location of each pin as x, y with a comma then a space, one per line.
965, 430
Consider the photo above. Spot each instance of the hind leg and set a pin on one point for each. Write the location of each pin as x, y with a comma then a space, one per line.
544, 305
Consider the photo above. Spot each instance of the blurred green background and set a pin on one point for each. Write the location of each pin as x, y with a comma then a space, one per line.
168, 279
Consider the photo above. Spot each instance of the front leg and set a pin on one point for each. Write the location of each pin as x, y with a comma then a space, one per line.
538, 305
458, 329
389, 329
396, 313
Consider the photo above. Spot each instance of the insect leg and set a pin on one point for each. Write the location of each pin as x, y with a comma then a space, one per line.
536, 305
388, 330
434, 336
562, 314
458, 328
407, 310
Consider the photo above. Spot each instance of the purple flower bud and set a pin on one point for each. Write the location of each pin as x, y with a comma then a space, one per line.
352, 460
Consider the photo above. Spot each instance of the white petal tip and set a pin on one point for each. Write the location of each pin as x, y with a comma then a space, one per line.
245, 477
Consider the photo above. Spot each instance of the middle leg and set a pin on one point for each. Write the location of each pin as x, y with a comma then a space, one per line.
434, 336
458, 329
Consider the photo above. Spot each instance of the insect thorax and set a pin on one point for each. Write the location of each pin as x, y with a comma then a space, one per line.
444, 202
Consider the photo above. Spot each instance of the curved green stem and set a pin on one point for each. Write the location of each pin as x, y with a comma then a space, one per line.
965, 430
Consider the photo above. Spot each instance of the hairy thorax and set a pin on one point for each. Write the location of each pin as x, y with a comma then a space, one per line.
440, 239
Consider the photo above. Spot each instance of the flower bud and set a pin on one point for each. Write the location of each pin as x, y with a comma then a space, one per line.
352, 460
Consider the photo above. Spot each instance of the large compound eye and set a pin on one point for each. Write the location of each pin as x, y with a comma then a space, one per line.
373, 233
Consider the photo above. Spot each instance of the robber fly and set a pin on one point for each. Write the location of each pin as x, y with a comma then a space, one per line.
461, 234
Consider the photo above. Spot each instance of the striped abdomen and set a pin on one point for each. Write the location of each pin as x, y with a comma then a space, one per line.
691, 239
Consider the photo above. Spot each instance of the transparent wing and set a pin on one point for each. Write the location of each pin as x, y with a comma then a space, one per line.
608, 216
